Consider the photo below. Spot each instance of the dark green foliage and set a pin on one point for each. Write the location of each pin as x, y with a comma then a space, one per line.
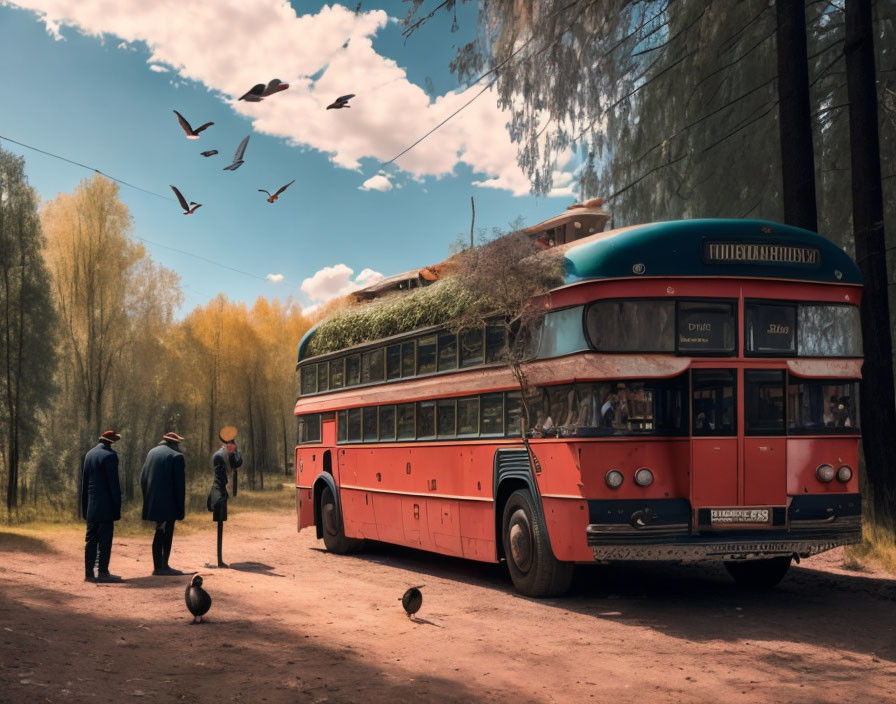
27, 317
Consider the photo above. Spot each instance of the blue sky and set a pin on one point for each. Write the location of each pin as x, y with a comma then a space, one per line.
100, 89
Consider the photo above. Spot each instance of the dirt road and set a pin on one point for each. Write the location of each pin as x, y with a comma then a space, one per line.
292, 623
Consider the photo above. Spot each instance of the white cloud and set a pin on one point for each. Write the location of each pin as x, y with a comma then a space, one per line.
274, 278
333, 281
379, 182
231, 45
157, 68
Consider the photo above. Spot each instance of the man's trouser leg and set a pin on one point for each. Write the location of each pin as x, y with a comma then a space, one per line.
158, 545
107, 528
91, 545
169, 536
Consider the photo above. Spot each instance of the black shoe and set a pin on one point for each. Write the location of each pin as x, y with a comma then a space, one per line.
108, 579
173, 571
89, 577
166, 572
222, 564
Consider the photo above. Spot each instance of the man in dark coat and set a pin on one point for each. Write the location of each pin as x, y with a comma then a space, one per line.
100, 506
163, 481
217, 498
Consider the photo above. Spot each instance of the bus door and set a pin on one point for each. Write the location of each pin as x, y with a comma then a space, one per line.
765, 444
715, 448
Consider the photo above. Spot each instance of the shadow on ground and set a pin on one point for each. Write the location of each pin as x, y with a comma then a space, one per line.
697, 602
167, 660
17, 542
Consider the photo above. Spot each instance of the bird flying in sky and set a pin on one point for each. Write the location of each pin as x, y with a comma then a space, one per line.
272, 198
190, 132
259, 91
210, 152
188, 209
238, 157
341, 102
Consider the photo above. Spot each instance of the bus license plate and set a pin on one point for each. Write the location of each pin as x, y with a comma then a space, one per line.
719, 516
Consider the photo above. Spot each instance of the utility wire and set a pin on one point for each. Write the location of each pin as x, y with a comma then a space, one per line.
205, 259
89, 168
130, 185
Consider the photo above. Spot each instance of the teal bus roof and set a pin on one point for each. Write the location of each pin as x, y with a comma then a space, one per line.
738, 248
711, 248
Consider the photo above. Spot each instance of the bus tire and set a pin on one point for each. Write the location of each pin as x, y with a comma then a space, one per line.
757, 575
531, 562
331, 526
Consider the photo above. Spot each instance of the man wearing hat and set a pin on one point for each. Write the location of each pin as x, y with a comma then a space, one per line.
100, 506
227, 454
163, 481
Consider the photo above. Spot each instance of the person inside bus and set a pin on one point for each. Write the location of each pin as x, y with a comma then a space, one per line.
572, 410
608, 410
622, 406
829, 419
845, 418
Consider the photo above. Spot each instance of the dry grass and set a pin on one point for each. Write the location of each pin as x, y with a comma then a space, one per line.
878, 546
33, 522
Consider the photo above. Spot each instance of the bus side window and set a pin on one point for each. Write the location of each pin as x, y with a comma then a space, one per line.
495, 343
426, 354
472, 347
353, 370
406, 421
447, 351
513, 414
447, 417
387, 423
337, 373
468, 416
354, 425
342, 426
408, 358
492, 418
370, 424
426, 419
393, 362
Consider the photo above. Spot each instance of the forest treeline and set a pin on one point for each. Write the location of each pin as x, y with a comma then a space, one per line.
91, 343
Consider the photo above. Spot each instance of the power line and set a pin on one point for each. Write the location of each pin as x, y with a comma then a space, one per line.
142, 239
89, 168
200, 257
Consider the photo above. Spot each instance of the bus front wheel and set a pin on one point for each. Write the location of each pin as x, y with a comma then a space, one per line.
531, 562
331, 525
759, 574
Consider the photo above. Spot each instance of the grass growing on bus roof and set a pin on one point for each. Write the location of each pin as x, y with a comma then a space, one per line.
436, 304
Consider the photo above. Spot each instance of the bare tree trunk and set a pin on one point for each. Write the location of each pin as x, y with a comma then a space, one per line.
878, 403
797, 155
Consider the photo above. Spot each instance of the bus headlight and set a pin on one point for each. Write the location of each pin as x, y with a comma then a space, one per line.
844, 474
824, 472
644, 477
614, 479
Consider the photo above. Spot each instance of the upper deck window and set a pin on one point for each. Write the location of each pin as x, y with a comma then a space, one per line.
495, 343
803, 329
771, 329
631, 326
447, 351
829, 331
426, 354
309, 379
372, 366
472, 347
706, 328
561, 332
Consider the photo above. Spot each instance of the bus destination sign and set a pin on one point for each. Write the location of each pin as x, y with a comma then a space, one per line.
760, 253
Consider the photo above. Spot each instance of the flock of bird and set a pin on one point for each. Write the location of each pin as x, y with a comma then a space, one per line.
199, 601
255, 94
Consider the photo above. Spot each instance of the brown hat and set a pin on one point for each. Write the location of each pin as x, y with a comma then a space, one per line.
110, 436
172, 437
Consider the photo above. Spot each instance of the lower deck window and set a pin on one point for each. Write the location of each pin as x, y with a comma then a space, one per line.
822, 407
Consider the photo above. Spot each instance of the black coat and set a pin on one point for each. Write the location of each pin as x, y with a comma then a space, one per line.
100, 489
217, 498
163, 481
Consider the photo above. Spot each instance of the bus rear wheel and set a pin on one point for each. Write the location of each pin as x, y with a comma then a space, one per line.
531, 562
331, 526
757, 575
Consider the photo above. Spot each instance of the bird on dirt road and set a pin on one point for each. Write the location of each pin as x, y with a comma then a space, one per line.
190, 132
238, 157
341, 102
198, 600
412, 600
273, 198
188, 209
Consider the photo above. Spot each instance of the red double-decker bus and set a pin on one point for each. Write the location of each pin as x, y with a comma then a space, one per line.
692, 395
